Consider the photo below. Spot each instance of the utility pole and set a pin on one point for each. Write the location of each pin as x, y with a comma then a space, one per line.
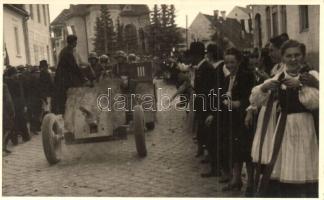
187, 31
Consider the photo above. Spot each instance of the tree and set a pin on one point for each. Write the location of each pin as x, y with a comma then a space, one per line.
173, 33
99, 38
120, 45
154, 31
104, 32
131, 41
164, 34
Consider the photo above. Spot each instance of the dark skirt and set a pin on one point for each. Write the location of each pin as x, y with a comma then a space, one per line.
236, 138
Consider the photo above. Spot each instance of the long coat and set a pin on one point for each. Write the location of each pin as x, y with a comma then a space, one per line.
8, 110
67, 75
233, 129
46, 84
203, 83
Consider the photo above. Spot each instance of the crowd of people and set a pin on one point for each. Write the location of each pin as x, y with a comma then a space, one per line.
267, 116
32, 91
26, 96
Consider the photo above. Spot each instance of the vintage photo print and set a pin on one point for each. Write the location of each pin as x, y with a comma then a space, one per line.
209, 99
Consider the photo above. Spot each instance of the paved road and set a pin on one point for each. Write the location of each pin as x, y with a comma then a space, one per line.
113, 169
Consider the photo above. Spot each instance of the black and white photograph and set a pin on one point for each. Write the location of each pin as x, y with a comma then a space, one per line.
155, 99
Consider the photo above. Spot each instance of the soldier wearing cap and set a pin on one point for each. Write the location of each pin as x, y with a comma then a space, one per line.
106, 65
95, 66
121, 58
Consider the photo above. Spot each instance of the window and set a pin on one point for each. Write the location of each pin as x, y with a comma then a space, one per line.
42, 53
48, 53
36, 53
31, 11
38, 14
71, 30
283, 19
17, 41
303, 13
44, 13
258, 29
57, 33
268, 21
275, 20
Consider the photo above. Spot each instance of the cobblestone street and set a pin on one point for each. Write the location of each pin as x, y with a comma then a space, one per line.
113, 168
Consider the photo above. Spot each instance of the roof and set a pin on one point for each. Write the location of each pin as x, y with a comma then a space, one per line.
83, 10
61, 18
18, 8
246, 10
231, 29
135, 10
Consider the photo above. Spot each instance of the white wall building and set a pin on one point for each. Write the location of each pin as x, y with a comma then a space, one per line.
39, 34
14, 33
242, 15
81, 20
300, 22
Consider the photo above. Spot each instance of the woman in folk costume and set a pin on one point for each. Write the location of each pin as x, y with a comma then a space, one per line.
267, 115
293, 163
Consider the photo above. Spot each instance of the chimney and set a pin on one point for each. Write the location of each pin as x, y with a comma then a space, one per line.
216, 12
223, 13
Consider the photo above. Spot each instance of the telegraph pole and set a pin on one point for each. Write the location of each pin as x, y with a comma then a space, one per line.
187, 31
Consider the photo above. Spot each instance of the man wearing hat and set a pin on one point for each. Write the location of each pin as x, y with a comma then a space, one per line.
202, 84
46, 86
68, 74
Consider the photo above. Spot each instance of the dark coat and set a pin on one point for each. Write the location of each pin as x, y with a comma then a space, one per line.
16, 90
46, 84
8, 110
67, 75
233, 129
204, 82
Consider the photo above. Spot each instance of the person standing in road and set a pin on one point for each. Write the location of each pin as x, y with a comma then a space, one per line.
8, 118
235, 141
294, 154
215, 57
46, 86
203, 83
14, 82
67, 75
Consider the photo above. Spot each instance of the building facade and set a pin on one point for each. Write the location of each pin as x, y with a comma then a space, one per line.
14, 33
200, 29
26, 34
205, 27
242, 15
81, 19
300, 22
39, 39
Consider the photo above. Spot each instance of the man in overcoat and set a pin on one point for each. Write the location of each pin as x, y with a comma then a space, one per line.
202, 84
68, 74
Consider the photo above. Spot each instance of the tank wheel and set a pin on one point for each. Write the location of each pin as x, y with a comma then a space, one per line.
139, 131
52, 138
